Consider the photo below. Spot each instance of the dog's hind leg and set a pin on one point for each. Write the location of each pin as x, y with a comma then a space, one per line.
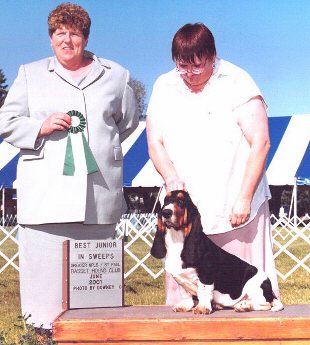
276, 305
217, 306
249, 305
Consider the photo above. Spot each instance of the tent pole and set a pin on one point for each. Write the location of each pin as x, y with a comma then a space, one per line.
295, 202
3, 205
292, 203
157, 198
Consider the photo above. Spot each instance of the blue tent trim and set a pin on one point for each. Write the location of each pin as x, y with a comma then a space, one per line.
277, 127
303, 170
8, 173
135, 159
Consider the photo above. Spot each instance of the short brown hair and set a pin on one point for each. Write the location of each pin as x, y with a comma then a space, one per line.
71, 15
193, 40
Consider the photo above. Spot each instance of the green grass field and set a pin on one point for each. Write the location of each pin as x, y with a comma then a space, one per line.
140, 288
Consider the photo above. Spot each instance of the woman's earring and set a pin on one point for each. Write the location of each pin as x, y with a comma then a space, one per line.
213, 65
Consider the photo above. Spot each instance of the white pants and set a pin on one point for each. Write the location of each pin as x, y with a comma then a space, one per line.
40, 262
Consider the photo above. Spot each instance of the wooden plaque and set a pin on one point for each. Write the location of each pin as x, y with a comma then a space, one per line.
93, 274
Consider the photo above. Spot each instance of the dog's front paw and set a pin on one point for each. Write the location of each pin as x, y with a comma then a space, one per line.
202, 309
184, 306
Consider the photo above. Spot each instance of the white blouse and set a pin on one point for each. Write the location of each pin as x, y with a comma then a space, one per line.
204, 141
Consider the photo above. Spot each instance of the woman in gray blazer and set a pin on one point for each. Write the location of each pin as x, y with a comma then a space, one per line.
68, 114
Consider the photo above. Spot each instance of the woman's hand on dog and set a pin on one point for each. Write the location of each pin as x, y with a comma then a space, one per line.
174, 183
240, 212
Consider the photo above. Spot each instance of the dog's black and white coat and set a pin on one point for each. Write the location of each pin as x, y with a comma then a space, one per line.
201, 268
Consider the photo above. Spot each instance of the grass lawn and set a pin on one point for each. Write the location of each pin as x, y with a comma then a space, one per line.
140, 288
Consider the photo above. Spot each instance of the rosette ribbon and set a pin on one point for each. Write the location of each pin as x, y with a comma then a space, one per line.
78, 124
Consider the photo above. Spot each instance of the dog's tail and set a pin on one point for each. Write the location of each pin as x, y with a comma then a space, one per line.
276, 305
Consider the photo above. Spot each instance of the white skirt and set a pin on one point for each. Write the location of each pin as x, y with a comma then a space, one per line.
40, 262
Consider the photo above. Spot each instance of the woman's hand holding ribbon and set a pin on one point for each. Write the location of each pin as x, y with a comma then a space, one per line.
55, 122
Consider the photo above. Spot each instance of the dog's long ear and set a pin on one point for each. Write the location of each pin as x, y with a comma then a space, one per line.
193, 244
190, 213
159, 249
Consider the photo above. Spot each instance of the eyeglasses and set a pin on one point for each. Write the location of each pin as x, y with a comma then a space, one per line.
191, 69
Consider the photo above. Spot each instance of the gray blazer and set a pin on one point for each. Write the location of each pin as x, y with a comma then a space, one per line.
107, 101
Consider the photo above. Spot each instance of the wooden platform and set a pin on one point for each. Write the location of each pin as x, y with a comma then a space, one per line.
150, 325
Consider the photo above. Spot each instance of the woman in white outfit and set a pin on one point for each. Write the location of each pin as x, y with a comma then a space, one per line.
208, 134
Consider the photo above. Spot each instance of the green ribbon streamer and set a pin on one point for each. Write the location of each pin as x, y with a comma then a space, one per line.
69, 166
90, 160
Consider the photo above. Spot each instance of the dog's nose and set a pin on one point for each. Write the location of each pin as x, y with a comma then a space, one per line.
166, 213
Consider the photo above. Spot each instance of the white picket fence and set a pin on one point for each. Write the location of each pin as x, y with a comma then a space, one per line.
137, 230
291, 238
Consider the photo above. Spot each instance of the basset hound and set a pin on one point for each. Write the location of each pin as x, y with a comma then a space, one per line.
201, 268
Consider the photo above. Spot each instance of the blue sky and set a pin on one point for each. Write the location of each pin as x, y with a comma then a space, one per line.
268, 38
